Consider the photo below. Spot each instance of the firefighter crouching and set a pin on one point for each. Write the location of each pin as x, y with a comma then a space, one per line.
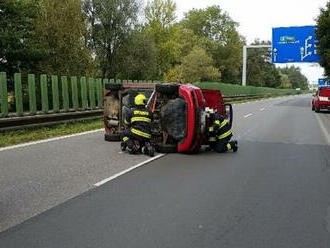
136, 138
219, 134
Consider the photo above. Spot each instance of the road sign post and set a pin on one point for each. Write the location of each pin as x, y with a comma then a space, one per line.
245, 59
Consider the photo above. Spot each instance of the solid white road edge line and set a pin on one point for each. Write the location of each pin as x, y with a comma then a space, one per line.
48, 140
128, 170
248, 115
324, 130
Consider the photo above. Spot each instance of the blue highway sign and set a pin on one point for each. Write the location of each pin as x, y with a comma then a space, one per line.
294, 45
323, 82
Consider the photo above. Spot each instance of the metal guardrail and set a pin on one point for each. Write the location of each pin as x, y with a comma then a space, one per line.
35, 121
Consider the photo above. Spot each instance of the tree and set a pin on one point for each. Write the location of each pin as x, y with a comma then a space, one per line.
160, 12
19, 46
137, 57
296, 78
160, 26
221, 39
260, 72
323, 35
61, 29
110, 23
285, 82
196, 67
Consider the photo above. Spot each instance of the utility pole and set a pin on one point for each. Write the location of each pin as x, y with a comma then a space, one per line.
245, 59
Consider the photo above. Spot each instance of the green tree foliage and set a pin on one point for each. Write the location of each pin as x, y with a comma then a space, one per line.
323, 35
296, 79
160, 12
19, 47
161, 27
221, 39
110, 22
260, 72
61, 29
137, 57
197, 66
285, 82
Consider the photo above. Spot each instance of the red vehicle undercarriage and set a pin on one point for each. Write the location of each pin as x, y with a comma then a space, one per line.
179, 113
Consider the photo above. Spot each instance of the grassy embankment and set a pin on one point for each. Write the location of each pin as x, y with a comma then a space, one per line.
27, 135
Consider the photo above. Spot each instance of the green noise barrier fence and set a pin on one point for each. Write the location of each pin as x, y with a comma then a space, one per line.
30, 94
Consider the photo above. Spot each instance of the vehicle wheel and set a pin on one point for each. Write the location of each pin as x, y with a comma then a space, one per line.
167, 148
112, 137
151, 151
167, 88
313, 108
317, 110
113, 87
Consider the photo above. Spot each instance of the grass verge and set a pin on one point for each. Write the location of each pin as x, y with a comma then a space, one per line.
26, 135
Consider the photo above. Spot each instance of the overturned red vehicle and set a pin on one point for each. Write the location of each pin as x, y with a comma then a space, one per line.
179, 113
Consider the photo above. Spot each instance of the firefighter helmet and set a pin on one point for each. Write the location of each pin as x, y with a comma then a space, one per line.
140, 99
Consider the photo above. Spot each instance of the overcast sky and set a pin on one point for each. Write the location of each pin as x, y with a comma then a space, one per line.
257, 17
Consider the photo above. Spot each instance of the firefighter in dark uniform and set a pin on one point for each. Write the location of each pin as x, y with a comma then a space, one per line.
138, 122
219, 134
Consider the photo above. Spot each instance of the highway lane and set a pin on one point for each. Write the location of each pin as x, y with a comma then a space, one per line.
38, 177
273, 193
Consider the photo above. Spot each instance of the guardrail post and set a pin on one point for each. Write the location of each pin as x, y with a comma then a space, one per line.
83, 87
18, 94
99, 92
3, 94
56, 97
44, 93
74, 87
91, 87
65, 93
32, 94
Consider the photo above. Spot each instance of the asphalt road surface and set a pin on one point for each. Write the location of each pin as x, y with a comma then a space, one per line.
274, 192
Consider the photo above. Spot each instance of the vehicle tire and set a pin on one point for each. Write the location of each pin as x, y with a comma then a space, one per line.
167, 148
112, 137
168, 89
313, 108
317, 110
113, 87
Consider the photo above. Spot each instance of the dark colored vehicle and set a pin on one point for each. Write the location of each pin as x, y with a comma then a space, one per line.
179, 113
321, 99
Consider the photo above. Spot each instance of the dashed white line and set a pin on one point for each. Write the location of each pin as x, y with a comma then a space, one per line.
48, 140
128, 170
248, 115
262, 109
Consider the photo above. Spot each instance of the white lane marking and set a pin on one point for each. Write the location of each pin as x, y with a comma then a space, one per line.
128, 170
262, 109
324, 130
48, 140
248, 115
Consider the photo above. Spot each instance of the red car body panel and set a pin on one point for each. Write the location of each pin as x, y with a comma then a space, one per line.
197, 100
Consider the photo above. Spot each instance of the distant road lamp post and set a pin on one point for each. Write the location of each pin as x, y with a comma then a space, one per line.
245, 59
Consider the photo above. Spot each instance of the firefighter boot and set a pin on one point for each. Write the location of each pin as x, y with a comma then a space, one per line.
234, 145
123, 146
148, 149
